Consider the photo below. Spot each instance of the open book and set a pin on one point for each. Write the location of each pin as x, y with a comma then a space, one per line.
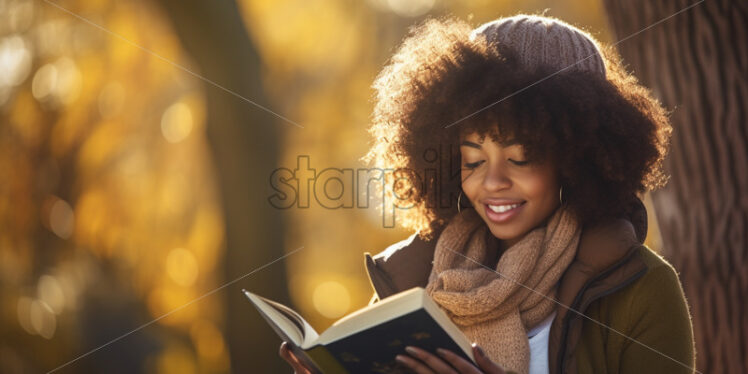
367, 340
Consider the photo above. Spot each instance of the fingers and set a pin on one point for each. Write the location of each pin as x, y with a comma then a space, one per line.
413, 364
485, 363
462, 365
286, 354
426, 362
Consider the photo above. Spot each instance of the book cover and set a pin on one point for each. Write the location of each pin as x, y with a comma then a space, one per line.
367, 341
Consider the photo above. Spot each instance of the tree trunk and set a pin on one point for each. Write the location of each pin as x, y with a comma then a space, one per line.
244, 142
696, 63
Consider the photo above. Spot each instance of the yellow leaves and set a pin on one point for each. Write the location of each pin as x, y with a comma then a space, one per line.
85, 157
123, 55
175, 359
169, 297
93, 218
208, 340
57, 83
100, 146
26, 120
66, 132
111, 99
310, 36
182, 267
206, 237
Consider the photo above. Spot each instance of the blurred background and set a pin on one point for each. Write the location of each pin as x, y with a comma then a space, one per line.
139, 146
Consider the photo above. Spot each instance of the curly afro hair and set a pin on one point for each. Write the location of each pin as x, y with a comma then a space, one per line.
607, 136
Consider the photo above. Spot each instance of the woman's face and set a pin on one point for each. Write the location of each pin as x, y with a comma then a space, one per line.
513, 195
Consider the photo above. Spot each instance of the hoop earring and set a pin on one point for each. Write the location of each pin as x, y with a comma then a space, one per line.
459, 198
560, 195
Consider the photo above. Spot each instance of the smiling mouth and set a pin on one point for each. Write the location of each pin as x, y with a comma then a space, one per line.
504, 212
503, 208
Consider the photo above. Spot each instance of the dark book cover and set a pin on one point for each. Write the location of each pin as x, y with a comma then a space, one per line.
367, 340
373, 350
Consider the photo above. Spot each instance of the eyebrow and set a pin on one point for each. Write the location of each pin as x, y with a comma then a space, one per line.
505, 143
470, 144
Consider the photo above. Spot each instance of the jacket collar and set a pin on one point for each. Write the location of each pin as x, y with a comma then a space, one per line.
606, 261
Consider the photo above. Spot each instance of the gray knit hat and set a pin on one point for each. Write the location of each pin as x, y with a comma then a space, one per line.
540, 40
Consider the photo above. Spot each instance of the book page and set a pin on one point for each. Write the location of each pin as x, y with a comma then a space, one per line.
374, 314
309, 335
284, 320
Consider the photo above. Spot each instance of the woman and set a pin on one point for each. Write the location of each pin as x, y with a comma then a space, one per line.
541, 261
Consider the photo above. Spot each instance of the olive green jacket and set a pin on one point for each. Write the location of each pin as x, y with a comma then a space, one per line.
623, 310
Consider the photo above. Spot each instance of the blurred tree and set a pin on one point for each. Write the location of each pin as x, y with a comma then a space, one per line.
244, 142
108, 214
697, 64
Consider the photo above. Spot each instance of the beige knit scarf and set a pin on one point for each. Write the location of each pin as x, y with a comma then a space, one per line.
497, 311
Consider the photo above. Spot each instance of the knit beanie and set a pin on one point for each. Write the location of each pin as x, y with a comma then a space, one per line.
544, 41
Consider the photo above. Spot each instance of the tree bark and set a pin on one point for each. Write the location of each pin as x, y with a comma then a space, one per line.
244, 142
696, 63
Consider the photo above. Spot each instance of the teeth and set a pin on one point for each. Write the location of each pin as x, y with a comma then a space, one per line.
503, 208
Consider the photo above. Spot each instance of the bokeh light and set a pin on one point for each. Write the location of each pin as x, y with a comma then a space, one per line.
410, 8
15, 61
176, 123
182, 267
208, 339
50, 292
43, 319
108, 215
331, 299
111, 206
61, 219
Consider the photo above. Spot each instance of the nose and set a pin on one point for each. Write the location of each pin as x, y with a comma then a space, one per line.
496, 178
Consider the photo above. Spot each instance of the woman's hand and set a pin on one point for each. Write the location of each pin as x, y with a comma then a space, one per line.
426, 363
292, 360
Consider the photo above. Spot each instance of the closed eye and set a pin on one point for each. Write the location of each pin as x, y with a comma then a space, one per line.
519, 163
473, 165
